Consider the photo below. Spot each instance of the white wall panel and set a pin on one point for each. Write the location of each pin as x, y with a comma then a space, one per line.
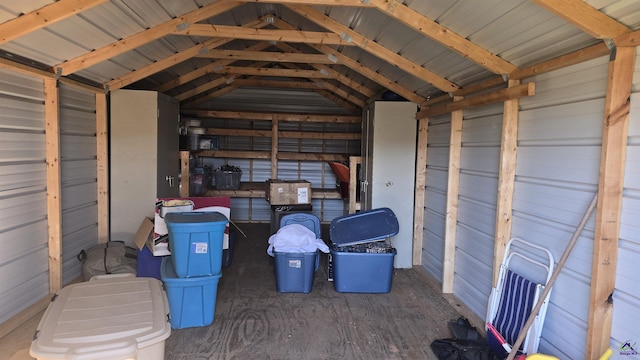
24, 277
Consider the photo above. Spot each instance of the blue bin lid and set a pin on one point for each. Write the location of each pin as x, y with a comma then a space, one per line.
198, 217
363, 227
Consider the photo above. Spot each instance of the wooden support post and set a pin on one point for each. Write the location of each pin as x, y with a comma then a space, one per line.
506, 180
184, 174
274, 147
102, 158
354, 162
453, 187
54, 201
421, 182
610, 186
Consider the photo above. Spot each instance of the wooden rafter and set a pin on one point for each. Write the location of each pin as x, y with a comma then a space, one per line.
143, 37
213, 84
359, 68
179, 57
444, 36
235, 32
585, 17
374, 48
45, 16
631, 39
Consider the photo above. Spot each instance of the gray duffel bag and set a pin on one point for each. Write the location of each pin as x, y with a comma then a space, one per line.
112, 257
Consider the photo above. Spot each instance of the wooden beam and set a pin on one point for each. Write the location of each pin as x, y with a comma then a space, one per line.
576, 57
43, 17
631, 39
235, 32
172, 60
42, 74
444, 36
354, 162
506, 180
54, 183
277, 84
312, 156
285, 134
374, 48
359, 68
515, 92
184, 170
270, 56
274, 146
336, 75
453, 190
248, 115
295, 73
144, 37
203, 70
610, 188
212, 84
420, 190
236, 154
585, 17
102, 159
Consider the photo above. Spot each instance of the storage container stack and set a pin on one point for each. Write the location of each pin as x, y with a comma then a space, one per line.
192, 272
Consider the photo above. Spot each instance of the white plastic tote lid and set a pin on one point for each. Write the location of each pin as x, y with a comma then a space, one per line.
110, 316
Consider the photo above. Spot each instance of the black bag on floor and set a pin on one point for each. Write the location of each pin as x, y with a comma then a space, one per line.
467, 344
112, 257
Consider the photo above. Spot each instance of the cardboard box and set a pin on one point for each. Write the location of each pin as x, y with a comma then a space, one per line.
146, 236
288, 192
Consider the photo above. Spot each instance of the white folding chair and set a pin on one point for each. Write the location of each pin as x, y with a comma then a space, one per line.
525, 270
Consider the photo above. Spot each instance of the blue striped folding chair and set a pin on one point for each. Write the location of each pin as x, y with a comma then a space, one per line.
515, 295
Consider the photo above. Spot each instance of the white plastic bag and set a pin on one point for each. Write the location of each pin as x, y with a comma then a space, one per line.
295, 238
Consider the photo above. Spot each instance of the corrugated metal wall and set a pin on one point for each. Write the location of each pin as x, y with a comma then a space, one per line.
435, 207
627, 294
79, 177
559, 141
24, 262
479, 163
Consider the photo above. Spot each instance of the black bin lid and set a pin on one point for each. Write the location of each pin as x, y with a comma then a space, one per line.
363, 227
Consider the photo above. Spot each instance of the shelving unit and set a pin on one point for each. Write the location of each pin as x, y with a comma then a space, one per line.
257, 189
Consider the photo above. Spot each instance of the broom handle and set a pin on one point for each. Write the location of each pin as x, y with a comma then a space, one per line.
554, 276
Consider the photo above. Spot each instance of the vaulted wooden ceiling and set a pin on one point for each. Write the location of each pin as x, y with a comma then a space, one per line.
327, 55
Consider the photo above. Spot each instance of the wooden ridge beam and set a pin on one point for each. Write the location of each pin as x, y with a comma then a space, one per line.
235, 32
585, 17
43, 17
143, 37
374, 48
515, 92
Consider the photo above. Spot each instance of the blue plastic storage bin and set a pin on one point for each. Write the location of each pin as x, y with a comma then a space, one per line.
310, 221
192, 301
295, 271
195, 242
148, 265
362, 272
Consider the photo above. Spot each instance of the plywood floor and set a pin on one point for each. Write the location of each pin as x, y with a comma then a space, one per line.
254, 321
